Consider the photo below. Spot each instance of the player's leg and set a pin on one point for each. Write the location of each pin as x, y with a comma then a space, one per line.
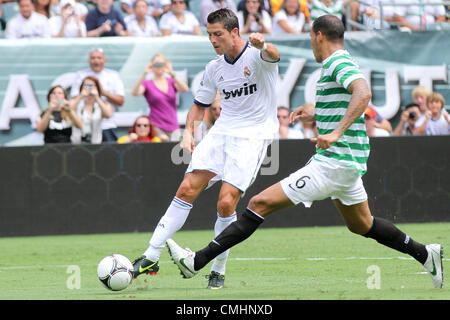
266, 202
226, 214
359, 220
173, 219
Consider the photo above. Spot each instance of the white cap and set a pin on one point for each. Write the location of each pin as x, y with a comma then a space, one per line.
63, 3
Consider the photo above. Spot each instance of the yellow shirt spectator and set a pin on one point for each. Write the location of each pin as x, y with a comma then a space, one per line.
276, 5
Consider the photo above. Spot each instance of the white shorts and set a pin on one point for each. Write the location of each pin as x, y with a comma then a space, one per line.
319, 180
234, 160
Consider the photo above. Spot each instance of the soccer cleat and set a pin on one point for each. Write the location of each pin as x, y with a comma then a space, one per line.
183, 258
215, 280
143, 265
433, 265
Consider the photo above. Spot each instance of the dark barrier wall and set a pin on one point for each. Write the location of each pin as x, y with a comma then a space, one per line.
66, 189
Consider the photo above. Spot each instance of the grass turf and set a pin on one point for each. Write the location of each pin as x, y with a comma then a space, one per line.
279, 264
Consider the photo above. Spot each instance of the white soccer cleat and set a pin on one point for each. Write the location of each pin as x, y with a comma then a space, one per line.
183, 258
433, 265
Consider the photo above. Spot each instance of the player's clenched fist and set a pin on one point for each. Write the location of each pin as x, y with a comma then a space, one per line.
257, 40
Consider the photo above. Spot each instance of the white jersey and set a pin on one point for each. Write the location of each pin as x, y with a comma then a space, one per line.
247, 89
36, 26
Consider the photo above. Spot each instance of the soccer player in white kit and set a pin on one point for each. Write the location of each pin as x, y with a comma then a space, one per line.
245, 74
342, 150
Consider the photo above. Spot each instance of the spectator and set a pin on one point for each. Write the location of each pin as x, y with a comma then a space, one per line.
112, 88
253, 18
370, 12
68, 24
382, 123
285, 131
43, 7
142, 130
208, 6
276, 6
160, 93
419, 95
91, 109
27, 24
370, 116
213, 113
80, 8
156, 8
179, 20
323, 7
423, 16
105, 21
57, 121
289, 19
436, 116
407, 124
140, 24
399, 18
309, 128
266, 5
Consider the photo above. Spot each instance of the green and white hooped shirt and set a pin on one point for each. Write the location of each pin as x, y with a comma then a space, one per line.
319, 9
332, 98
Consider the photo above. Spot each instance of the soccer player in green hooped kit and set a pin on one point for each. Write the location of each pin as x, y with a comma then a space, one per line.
342, 150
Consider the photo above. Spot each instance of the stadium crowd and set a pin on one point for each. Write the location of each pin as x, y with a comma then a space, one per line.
86, 116
149, 18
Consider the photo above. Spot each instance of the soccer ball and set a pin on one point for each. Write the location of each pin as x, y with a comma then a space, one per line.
115, 272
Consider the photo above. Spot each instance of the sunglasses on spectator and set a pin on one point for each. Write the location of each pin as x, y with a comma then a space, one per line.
178, 2
158, 65
145, 125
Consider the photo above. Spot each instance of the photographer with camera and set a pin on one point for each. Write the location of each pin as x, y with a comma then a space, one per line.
68, 23
57, 121
254, 18
91, 109
407, 125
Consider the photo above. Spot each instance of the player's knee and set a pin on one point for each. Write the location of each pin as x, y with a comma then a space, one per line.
226, 205
186, 190
358, 228
259, 204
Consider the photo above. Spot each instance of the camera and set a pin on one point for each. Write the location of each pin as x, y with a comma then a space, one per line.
257, 17
412, 115
61, 103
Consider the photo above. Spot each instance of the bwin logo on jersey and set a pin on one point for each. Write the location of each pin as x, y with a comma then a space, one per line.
245, 90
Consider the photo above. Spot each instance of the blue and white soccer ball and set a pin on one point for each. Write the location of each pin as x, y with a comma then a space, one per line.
115, 272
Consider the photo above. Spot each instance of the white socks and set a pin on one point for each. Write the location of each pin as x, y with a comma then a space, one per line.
171, 222
221, 260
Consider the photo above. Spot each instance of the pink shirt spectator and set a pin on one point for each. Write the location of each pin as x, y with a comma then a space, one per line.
163, 106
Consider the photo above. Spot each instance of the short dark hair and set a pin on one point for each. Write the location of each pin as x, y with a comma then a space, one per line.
50, 91
226, 17
330, 26
411, 105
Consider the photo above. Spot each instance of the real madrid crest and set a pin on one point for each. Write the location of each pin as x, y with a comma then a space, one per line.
247, 72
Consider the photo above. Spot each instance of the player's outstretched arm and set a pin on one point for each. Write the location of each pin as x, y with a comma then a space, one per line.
195, 114
269, 51
304, 113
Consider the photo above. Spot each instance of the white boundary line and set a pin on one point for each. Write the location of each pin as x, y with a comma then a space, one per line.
231, 259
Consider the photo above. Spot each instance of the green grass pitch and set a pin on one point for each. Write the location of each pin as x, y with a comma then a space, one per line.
314, 263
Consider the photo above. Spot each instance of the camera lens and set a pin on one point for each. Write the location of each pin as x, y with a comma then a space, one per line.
412, 115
